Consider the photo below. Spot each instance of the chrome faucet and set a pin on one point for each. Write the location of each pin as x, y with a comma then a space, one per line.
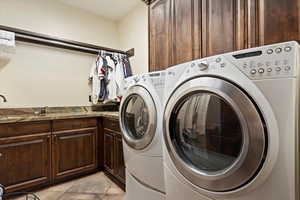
3, 97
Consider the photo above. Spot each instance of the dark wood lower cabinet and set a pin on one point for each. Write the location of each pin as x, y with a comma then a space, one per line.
74, 152
109, 151
38, 154
25, 161
119, 166
113, 152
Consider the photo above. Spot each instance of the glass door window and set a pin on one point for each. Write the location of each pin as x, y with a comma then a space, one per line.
214, 134
138, 118
208, 132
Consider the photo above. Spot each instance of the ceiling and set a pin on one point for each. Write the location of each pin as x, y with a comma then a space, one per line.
111, 9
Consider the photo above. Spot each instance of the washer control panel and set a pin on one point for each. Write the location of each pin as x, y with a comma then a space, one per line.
157, 79
272, 61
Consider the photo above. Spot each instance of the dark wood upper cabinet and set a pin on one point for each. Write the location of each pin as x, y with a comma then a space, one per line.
223, 26
183, 30
160, 35
279, 20
186, 30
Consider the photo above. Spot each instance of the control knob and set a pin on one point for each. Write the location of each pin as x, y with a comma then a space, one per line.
261, 70
136, 79
203, 66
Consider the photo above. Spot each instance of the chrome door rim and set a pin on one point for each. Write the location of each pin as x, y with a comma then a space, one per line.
139, 144
254, 137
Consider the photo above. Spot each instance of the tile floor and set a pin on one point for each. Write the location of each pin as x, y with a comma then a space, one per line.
93, 187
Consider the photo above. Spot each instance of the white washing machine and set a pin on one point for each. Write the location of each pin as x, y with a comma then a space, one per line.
141, 114
231, 126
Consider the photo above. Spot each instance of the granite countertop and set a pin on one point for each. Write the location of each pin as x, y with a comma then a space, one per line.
27, 117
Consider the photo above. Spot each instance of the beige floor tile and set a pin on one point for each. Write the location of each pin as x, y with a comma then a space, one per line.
93, 187
114, 197
80, 196
91, 184
63, 187
43, 195
115, 191
49, 195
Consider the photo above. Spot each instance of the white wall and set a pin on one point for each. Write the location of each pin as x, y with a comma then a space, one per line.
55, 18
41, 76
133, 33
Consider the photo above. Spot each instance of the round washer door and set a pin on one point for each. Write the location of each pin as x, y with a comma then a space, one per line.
138, 118
214, 134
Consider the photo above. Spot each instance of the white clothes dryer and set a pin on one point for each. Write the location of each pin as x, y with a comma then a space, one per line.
231, 126
141, 124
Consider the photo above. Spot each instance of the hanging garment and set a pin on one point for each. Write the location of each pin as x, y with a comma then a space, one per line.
126, 66
120, 77
103, 73
111, 77
108, 77
95, 81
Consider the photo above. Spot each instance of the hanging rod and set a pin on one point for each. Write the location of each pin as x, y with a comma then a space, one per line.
51, 41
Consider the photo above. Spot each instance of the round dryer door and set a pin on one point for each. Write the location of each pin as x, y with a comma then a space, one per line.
214, 134
138, 118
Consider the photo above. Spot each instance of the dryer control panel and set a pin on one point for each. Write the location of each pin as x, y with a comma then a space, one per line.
158, 81
272, 61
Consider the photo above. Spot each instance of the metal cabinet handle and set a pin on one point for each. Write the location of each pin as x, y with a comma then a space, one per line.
1, 154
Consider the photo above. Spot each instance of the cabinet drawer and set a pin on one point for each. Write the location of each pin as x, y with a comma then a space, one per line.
69, 124
26, 128
111, 124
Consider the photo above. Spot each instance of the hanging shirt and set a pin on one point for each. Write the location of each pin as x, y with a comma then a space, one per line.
126, 67
111, 77
120, 78
103, 73
95, 80
108, 78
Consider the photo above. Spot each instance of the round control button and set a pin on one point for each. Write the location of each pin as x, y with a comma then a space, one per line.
278, 50
287, 68
218, 60
269, 69
288, 49
269, 51
253, 71
278, 69
261, 70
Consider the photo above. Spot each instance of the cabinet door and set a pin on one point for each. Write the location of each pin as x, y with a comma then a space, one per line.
278, 21
24, 161
109, 151
186, 30
223, 26
119, 164
160, 35
74, 152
